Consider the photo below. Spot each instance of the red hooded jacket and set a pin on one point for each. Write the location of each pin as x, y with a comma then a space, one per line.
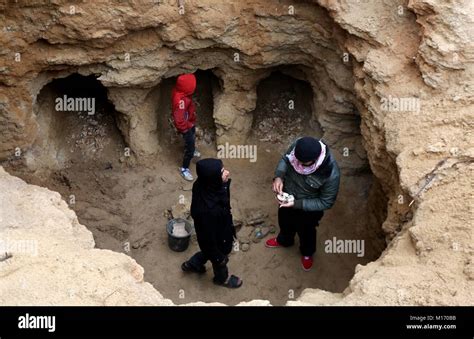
184, 111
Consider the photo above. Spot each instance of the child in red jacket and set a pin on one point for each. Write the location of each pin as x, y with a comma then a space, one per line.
184, 117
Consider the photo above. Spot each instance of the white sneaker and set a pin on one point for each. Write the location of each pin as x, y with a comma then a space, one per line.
186, 174
197, 154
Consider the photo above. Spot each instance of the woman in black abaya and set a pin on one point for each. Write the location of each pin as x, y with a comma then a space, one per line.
210, 209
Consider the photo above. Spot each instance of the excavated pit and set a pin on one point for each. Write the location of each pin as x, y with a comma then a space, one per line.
349, 57
125, 204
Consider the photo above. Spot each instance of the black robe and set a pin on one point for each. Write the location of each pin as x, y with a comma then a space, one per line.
211, 211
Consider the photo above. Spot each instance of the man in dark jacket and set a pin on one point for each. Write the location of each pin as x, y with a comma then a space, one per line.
309, 172
184, 117
210, 209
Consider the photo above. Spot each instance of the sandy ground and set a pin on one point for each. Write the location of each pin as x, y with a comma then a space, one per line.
124, 207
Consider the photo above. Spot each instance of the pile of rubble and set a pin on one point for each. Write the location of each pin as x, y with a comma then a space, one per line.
205, 135
93, 136
256, 227
278, 121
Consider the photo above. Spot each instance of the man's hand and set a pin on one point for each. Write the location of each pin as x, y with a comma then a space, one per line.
288, 204
277, 185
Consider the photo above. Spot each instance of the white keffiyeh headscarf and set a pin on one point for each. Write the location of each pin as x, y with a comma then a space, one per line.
306, 170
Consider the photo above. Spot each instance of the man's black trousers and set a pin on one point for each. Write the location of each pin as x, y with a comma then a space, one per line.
296, 221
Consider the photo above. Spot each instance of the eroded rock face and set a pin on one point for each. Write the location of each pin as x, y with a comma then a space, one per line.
356, 55
53, 260
429, 258
134, 47
446, 46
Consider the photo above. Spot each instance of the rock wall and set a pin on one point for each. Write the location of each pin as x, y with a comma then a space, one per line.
133, 47
53, 260
355, 55
429, 259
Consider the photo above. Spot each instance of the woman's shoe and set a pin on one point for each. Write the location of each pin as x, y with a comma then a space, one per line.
231, 282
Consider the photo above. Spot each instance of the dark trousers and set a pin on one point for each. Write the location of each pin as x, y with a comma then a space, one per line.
189, 146
304, 223
221, 271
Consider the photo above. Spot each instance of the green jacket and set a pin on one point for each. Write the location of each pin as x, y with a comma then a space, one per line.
313, 192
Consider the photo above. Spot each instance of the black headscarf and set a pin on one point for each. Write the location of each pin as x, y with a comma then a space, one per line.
209, 188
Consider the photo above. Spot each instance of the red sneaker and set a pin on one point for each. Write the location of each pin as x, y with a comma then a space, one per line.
307, 263
272, 243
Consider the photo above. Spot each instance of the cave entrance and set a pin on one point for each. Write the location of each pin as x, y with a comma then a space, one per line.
77, 124
207, 84
284, 109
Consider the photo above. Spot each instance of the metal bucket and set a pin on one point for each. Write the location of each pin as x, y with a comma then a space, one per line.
179, 243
